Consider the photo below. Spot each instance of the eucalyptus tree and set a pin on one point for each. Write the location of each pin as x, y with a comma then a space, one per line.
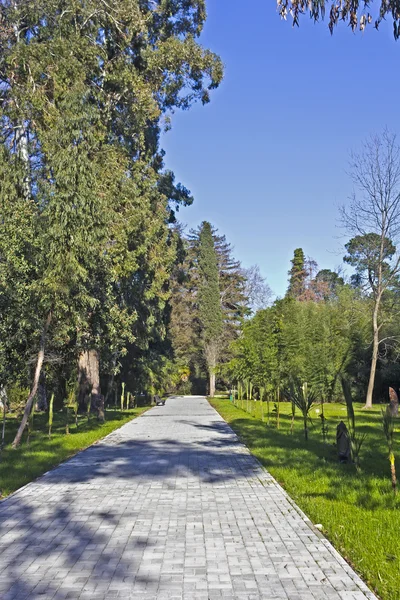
85, 88
358, 14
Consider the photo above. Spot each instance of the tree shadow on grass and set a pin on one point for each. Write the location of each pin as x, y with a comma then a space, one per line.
315, 460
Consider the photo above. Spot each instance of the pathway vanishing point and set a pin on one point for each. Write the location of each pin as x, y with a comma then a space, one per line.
171, 505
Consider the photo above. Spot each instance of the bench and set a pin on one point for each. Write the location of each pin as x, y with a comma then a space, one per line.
159, 401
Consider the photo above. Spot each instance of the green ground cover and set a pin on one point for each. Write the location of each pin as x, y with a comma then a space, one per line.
27, 462
358, 511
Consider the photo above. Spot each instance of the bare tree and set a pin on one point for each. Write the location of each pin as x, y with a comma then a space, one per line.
257, 290
373, 218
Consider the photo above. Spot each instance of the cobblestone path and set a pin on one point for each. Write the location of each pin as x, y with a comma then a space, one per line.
171, 505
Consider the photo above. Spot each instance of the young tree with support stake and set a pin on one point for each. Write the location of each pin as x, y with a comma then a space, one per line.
373, 217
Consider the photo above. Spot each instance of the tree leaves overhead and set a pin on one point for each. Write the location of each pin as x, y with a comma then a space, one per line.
356, 13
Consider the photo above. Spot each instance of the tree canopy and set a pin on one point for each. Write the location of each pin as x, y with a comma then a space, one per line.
86, 246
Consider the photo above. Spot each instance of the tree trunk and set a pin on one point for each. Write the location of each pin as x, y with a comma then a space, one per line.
393, 472
375, 348
110, 383
31, 397
3, 429
212, 383
211, 356
41, 397
89, 382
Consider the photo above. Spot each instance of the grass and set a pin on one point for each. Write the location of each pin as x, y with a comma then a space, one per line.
358, 511
27, 462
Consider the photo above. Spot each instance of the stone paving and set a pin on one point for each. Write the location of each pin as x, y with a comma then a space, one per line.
171, 505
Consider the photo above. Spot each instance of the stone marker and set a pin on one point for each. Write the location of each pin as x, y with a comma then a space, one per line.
393, 407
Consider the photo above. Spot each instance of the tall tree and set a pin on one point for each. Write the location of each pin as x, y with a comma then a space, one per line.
184, 325
297, 274
209, 302
328, 283
373, 217
85, 90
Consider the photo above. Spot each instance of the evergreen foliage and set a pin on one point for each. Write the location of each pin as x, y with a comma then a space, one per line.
86, 248
297, 275
186, 327
209, 296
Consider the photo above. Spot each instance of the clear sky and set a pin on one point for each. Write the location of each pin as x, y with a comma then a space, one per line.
266, 160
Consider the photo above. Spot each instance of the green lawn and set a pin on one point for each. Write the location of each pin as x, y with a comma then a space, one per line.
26, 463
358, 511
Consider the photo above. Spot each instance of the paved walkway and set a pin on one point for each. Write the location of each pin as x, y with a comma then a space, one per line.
171, 505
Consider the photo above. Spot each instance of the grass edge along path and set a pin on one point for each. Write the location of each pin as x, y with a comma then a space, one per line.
25, 464
358, 512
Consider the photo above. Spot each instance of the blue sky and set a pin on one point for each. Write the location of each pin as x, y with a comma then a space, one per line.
266, 160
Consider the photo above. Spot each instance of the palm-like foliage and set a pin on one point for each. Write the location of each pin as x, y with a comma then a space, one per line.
303, 398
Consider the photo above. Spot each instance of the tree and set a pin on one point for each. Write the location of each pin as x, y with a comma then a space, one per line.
373, 275
329, 283
85, 91
209, 301
354, 12
297, 274
373, 217
301, 340
184, 328
257, 290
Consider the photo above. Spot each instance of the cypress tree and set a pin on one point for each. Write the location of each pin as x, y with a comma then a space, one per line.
297, 275
209, 301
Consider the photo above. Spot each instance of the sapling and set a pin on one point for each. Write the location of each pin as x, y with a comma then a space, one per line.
278, 407
303, 398
247, 394
76, 407
71, 403
268, 410
67, 419
324, 423
122, 396
3, 429
293, 417
262, 393
388, 426
324, 427
51, 414
30, 423
356, 440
